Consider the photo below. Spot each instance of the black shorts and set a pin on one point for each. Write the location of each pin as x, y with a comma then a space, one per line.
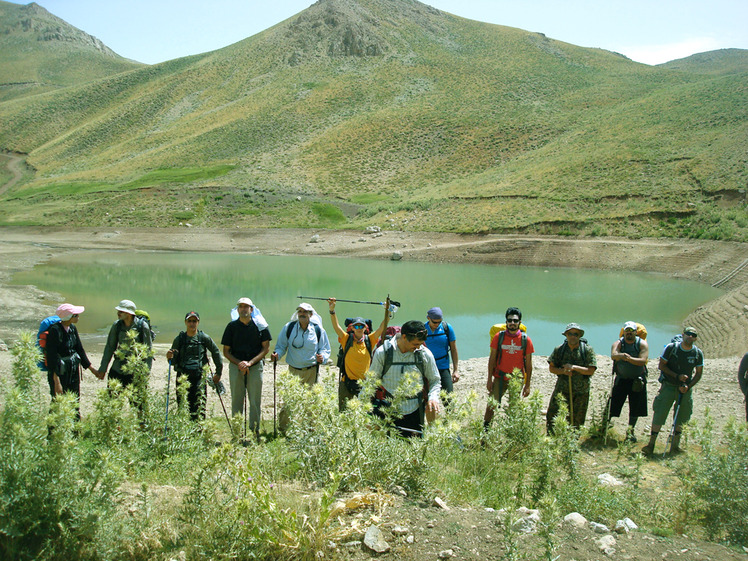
624, 388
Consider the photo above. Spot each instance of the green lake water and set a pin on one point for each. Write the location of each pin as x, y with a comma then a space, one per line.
473, 297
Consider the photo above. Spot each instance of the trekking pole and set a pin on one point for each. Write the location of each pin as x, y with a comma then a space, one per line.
245, 405
571, 404
225, 413
168, 384
675, 421
393, 303
275, 364
606, 421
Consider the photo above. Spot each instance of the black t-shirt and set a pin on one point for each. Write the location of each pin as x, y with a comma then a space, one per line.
245, 341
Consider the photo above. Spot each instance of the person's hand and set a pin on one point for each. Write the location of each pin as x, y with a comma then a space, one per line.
568, 369
489, 385
319, 358
216, 378
433, 406
682, 378
244, 366
170, 354
331, 302
525, 390
684, 388
274, 356
100, 374
455, 377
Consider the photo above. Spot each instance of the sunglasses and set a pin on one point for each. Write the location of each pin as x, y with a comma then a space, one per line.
574, 334
690, 334
359, 326
512, 320
192, 320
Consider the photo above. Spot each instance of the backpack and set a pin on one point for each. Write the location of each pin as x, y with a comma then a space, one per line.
41, 339
641, 331
382, 396
637, 347
582, 346
292, 324
502, 327
146, 318
389, 334
349, 343
201, 347
142, 321
446, 332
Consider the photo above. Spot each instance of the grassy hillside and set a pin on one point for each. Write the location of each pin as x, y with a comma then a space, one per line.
41, 52
390, 112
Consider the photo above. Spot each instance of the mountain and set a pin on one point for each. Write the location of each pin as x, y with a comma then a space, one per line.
41, 52
717, 63
390, 112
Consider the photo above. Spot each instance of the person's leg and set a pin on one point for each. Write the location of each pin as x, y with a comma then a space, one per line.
344, 394
581, 402
552, 411
254, 394
660, 407
236, 385
684, 415
497, 392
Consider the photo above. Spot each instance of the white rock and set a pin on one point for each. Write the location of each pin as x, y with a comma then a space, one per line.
599, 528
489, 509
606, 543
525, 526
440, 503
298, 198
399, 530
314, 239
374, 540
625, 526
372, 230
446, 554
396, 256
607, 479
410, 539
575, 519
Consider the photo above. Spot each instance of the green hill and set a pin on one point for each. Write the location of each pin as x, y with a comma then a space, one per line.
391, 112
723, 61
40, 52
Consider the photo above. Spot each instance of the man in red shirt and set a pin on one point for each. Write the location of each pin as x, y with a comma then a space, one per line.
510, 349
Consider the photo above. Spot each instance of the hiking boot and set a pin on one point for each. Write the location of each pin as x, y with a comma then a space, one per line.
648, 450
630, 436
675, 450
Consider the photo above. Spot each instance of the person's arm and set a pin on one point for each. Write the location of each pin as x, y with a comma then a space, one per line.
615, 353
493, 357
109, 348
174, 350
672, 375
743, 374
528, 374
323, 347
695, 380
554, 366
53, 356
281, 345
385, 322
334, 317
455, 360
263, 351
435, 383
216, 354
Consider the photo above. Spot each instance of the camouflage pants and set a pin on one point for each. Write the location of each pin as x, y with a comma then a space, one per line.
578, 406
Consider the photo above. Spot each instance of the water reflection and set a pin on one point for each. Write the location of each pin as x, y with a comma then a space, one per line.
473, 297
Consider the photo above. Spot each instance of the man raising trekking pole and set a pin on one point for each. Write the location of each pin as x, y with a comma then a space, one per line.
681, 366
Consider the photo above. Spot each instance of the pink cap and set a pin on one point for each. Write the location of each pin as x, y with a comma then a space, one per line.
67, 311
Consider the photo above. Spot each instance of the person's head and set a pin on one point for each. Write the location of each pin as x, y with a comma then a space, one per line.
513, 318
304, 312
629, 331
435, 317
244, 307
573, 334
126, 311
412, 335
689, 336
69, 312
191, 320
359, 327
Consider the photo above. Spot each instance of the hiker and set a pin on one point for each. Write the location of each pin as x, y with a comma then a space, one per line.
118, 334
188, 355
573, 362
307, 345
356, 347
407, 354
246, 341
65, 355
681, 366
630, 354
306, 342
743, 381
510, 349
441, 341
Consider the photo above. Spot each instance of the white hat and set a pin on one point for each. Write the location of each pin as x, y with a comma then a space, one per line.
246, 301
127, 306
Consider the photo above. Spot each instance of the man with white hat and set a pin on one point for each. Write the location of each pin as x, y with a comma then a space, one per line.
65, 354
630, 354
118, 336
246, 341
573, 362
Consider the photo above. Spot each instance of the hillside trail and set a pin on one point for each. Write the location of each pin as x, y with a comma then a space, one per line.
13, 162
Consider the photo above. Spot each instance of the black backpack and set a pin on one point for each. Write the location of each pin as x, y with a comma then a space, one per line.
382, 396
446, 331
292, 324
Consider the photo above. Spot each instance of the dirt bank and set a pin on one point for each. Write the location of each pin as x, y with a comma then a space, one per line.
723, 322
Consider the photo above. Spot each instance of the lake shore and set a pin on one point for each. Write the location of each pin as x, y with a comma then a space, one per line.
723, 322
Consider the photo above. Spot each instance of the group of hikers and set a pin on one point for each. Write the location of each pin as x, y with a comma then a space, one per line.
422, 351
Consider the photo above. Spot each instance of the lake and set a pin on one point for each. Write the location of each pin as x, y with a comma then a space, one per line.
473, 297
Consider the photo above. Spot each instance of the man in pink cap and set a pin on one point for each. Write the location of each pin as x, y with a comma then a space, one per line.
65, 354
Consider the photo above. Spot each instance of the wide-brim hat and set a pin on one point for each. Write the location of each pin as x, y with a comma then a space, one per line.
127, 306
571, 326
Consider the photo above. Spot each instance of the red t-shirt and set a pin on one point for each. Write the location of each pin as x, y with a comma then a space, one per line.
511, 352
